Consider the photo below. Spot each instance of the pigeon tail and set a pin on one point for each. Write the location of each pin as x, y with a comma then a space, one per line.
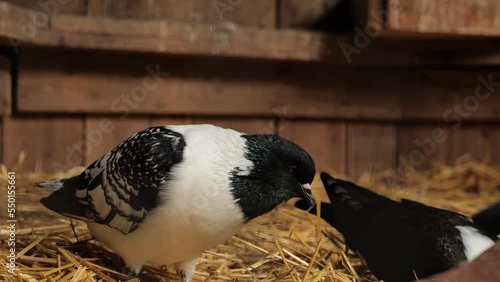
348, 193
63, 200
52, 185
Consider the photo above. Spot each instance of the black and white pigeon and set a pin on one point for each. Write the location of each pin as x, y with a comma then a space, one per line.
489, 219
400, 240
167, 193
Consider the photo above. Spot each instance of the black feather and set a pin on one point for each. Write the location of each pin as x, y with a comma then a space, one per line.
489, 218
63, 201
397, 239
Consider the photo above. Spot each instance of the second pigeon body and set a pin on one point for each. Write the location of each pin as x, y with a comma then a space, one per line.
400, 241
489, 218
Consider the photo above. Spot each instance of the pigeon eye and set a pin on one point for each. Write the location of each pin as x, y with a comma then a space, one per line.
292, 169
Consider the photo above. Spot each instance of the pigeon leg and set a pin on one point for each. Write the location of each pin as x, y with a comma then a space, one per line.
133, 271
186, 269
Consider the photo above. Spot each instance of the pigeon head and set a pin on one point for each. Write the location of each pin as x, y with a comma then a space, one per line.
281, 170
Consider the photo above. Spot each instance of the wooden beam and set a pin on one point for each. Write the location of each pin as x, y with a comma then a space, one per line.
227, 40
70, 7
100, 83
258, 13
165, 37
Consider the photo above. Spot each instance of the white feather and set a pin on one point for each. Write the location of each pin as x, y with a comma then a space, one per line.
199, 211
99, 201
475, 243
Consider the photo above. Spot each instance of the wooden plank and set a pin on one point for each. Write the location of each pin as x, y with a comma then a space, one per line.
326, 141
462, 96
170, 120
96, 87
468, 139
143, 36
5, 86
259, 13
51, 143
255, 13
492, 143
173, 37
226, 40
51, 8
75, 82
464, 17
420, 144
104, 133
97, 8
245, 125
371, 148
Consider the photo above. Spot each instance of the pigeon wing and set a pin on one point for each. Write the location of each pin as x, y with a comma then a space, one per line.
123, 185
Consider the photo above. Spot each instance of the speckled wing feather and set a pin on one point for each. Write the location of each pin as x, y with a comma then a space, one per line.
122, 187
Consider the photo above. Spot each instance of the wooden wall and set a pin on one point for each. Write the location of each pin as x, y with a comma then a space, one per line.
66, 107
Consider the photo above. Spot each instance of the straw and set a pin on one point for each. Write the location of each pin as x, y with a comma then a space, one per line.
284, 245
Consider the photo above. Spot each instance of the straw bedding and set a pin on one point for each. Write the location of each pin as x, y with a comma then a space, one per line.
284, 245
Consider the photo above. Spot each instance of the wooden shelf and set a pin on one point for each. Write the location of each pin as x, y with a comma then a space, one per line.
163, 37
229, 40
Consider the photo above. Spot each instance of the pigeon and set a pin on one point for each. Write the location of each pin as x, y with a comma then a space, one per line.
167, 193
400, 241
489, 219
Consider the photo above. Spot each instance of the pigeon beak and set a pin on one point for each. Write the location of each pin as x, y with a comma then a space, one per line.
306, 189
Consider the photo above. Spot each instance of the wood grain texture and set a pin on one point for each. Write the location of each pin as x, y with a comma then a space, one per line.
326, 141
51, 143
227, 40
104, 133
492, 143
258, 13
245, 125
371, 147
75, 82
421, 144
465, 17
52, 8
467, 141
170, 120
5, 86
